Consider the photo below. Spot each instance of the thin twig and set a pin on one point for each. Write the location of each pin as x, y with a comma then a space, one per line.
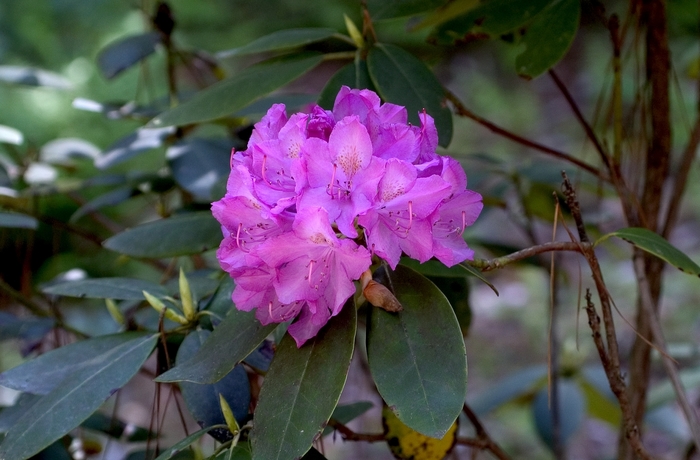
350, 435
610, 357
489, 444
499, 262
462, 110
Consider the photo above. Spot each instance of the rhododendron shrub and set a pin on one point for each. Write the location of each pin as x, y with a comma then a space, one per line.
317, 195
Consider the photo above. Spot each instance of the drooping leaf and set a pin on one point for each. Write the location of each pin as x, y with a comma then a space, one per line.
656, 245
417, 356
62, 151
238, 334
447, 12
572, 411
598, 404
75, 398
29, 328
235, 93
507, 389
203, 399
302, 388
186, 442
457, 292
10, 135
408, 444
242, 451
120, 55
140, 141
663, 393
179, 235
10, 415
111, 198
17, 220
33, 77
198, 164
116, 428
487, 19
389, 9
354, 75
548, 37
106, 288
290, 101
403, 79
280, 41
44, 373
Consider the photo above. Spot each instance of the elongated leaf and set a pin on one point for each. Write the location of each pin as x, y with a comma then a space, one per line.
120, 55
261, 106
198, 164
111, 198
657, 245
17, 220
389, 9
203, 399
417, 356
354, 75
140, 141
106, 288
280, 41
62, 151
75, 398
548, 37
403, 79
115, 428
507, 389
302, 388
237, 92
10, 135
43, 374
10, 415
572, 411
12, 327
663, 393
235, 338
179, 235
186, 442
347, 413
33, 77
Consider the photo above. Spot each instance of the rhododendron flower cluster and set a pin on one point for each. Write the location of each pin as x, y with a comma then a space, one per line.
316, 195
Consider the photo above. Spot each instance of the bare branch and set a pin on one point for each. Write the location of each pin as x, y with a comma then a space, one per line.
491, 264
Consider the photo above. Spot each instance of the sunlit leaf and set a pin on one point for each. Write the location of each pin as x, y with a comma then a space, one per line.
17, 220
235, 93
417, 356
548, 37
140, 141
183, 234
280, 41
106, 288
33, 77
403, 79
198, 164
75, 398
120, 55
235, 338
656, 245
302, 388
10, 135
62, 151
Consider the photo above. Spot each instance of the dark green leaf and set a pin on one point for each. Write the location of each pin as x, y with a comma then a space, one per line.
290, 101
121, 55
106, 288
232, 340
354, 75
242, 451
347, 413
477, 274
185, 443
179, 235
388, 9
140, 141
115, 428
12, 327
403, 79
75, 398
111, 198
44, 373
507, 389
489, 19
457, 292
261, 358
56, 451
280, 41
548, 37
203, 399
10, 415
572, 411
302, 388
17, 220
235, 93
198, 164
33, 77
417, 356
656, 245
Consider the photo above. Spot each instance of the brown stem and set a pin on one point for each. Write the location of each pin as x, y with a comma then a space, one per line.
483, 436
491, 264
461, 110
608, 352
350, 435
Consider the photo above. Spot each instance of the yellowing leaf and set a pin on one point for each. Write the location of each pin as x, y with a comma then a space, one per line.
407, 444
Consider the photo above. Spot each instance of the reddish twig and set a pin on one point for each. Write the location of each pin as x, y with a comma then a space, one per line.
483, 438
350, 435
